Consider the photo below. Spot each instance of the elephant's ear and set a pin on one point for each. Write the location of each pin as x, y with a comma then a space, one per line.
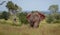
42, 16
28, 15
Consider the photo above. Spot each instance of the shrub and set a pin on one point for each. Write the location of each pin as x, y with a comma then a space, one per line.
22, 18
5, 15
49, 19
56, 21
55, 18
1, 17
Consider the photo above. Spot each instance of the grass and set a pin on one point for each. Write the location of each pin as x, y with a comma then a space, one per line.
44, 29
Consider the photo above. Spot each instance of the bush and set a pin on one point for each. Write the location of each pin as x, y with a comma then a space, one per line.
55, 18
49, 19
22, 18
56, 21
5, 15
1, 17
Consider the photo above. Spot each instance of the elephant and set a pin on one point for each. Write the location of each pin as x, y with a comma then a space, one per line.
35, 18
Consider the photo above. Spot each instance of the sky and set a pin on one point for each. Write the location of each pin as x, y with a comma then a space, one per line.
29, 5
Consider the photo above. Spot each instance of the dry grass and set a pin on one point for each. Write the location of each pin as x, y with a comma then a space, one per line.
44, 29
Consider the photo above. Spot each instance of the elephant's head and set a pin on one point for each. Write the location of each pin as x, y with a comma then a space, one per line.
35, 17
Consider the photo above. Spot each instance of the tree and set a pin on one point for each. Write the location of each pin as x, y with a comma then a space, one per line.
54, 16
53, 8
13, 9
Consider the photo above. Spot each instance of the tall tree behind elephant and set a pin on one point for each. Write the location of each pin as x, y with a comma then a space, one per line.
35, 18
13, 10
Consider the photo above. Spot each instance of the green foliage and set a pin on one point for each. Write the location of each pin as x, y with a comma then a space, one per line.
1, 16
53, 8
5, 15
12, 7
49, 19
54, 18
57, 16
22, 17
16, 7
56, 21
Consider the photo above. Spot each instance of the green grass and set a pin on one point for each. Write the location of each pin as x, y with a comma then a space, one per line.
44, 29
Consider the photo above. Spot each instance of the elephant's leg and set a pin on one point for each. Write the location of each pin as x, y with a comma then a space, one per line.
36, 24
31, 24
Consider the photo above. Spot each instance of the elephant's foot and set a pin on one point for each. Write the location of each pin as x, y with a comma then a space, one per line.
32, 24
